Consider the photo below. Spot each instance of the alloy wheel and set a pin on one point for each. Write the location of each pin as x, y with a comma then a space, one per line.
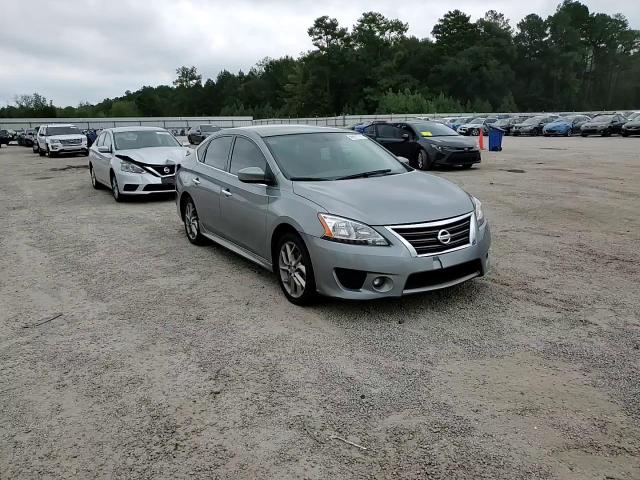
191, 221
293, 273
114, 188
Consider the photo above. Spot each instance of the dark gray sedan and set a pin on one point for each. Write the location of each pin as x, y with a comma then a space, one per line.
331, 212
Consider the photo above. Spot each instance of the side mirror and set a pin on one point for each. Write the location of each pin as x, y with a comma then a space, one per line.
104, 149
405, 136
253, 175
403, 160
185, 144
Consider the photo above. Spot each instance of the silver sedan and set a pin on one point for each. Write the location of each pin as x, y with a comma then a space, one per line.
331, 212
135, 161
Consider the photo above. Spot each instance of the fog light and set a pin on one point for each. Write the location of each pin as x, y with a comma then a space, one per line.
382, 284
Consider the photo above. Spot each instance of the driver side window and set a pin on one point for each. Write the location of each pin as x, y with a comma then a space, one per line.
389, 131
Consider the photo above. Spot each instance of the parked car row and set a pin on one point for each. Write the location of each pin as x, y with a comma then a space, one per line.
325, 209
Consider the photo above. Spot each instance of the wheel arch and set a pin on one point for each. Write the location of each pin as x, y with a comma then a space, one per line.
277, 233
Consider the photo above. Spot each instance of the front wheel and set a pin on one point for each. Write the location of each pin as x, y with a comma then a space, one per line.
423, 161
192, 224
583, 135
625, 134
115, 189
295, 271
40, 152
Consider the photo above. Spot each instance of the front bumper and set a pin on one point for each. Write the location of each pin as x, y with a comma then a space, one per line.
145, 183
631, 130
60, 148
396, 263
455, 157
593, 130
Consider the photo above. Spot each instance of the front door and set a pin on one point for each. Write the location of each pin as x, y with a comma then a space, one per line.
394, 139
243, 206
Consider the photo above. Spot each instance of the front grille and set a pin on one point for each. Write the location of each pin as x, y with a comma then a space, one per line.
463, 157
424, 237
442, 276
159, 187
159, 169
74, 141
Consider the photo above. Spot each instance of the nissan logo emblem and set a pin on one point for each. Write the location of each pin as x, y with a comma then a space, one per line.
167, 169
444, 237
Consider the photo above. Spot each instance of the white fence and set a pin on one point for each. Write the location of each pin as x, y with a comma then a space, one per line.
98, 123
178, 123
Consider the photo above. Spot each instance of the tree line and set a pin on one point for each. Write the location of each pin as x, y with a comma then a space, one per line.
572, 60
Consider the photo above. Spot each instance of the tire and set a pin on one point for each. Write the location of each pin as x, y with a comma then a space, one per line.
50, 154
115, 189
423, 162
584, 135
606, 133
191, 223
40, 152
294, 270
467, 166
625, 134
535, 132
94, 181
567, 133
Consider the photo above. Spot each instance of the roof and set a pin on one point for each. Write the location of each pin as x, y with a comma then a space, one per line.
273, 130
134, 128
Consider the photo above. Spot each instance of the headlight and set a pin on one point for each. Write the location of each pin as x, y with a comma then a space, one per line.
347, 231
54, 140
439, 148
130, 167
477, 208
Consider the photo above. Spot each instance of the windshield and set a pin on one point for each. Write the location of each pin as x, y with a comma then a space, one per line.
209, 128
143, 139
477, 121
602, 119
63, 131
534, 120
432, 129
330, 156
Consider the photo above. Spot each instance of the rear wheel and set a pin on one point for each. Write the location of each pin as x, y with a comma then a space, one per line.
583, 134
192, 224
294, 270
606, 133
94, 181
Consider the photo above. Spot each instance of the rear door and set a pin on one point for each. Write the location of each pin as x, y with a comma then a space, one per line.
103, 160
209, 180
244, 206
391, 137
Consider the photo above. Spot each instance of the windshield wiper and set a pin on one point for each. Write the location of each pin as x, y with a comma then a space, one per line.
365, 174
308, 179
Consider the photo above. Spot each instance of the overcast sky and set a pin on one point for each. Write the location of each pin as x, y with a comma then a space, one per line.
69, 50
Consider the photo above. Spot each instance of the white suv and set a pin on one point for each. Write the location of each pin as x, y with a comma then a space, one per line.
61, 138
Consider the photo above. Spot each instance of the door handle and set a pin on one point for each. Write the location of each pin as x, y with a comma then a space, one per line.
196, 181
227, 193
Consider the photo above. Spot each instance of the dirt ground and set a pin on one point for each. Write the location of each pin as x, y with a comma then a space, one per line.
173, 361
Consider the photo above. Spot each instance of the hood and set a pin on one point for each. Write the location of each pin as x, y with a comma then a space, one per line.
525, 125
558, 123
410, 197
633, 123
595, 124
451, 141
154, 155
472, 125
71, 136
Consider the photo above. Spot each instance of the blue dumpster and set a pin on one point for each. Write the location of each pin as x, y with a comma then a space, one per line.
495, 139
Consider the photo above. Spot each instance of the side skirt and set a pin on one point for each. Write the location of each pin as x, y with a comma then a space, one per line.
237, 249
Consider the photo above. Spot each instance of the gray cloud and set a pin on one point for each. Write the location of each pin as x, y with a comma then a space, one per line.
89, 50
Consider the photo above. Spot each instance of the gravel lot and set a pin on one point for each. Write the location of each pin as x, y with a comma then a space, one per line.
173, 361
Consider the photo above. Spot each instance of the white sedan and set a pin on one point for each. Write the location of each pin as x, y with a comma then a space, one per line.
135, 161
